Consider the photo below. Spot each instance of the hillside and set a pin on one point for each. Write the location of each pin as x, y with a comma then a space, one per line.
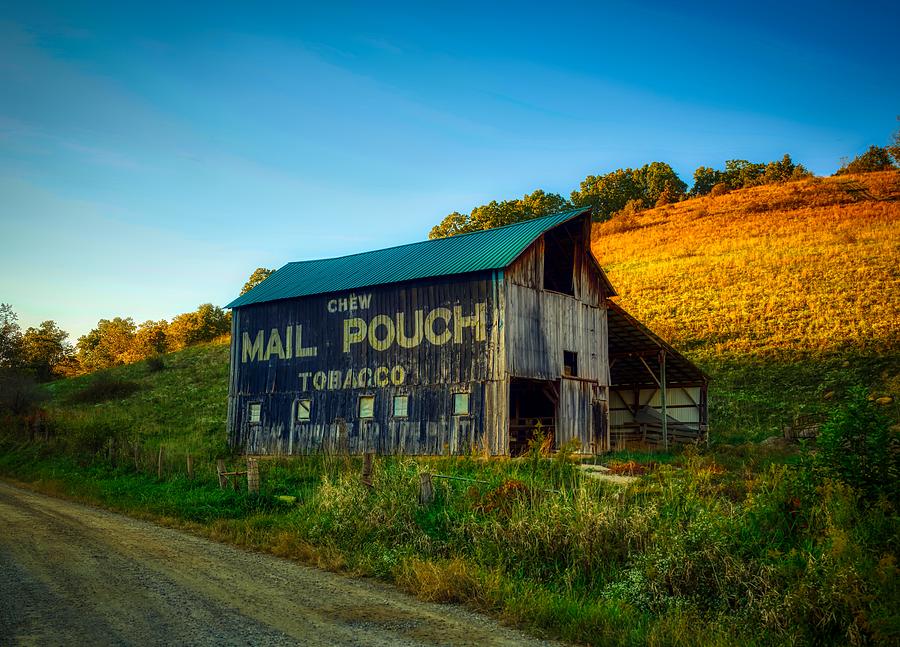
778, 271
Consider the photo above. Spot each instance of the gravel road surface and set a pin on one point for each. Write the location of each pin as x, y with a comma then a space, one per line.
72, 574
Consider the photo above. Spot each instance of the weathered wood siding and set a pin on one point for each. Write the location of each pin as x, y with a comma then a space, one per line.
542, 324
332, 363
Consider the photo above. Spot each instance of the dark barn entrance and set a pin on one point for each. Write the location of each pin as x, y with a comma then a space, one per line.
531, 402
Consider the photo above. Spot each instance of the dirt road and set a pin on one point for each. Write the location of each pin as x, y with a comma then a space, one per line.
71, 574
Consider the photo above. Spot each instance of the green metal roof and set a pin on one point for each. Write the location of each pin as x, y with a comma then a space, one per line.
490, 249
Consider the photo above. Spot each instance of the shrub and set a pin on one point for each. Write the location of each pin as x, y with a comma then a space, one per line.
155, 364
874, 159
19, 393
857, 447
103, 388
719, 189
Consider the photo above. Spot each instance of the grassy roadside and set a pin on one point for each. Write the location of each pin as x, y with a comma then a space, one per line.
693, 553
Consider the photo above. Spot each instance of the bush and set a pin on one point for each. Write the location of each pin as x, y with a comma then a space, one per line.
874, 159
103, 388
856, 446
155, 364
719, 189
19, 393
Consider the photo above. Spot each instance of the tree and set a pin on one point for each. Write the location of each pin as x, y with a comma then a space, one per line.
206, 323
106, 345
656, 178
780, 171
10, 337
497, 214
150, 339
46, 350
740, 174
259, 275
452, 225
874, 159
894, 148
705, 178
607, 194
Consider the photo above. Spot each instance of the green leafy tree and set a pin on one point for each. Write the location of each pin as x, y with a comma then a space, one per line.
452, 225
150, 340
656, 178
874, 159
106, 345
705, 178
497, 214
259, 275
46, 350
10, 338
894, 147
206, 323
740, 174
607, 194
784, 170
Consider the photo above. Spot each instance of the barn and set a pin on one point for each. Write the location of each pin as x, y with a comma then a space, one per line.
455, 345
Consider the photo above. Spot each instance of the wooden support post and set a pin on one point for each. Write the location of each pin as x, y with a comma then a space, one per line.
662, 398
190, 467
253, 475
159, 462
220, 470
137, 457
366, 476
426, 491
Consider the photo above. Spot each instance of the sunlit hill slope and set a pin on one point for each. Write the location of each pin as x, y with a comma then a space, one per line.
778, 271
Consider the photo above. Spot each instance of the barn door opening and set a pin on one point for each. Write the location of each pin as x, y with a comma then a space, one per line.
531, 403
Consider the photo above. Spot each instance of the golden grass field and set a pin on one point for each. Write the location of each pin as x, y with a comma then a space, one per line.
773, 271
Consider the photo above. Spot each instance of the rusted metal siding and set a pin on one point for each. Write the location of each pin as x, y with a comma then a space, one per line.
323, 356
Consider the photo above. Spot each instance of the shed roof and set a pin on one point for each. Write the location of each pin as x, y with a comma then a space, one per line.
490, 249
630, 342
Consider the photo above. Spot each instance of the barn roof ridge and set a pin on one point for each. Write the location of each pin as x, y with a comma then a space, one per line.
574, 212
496, 248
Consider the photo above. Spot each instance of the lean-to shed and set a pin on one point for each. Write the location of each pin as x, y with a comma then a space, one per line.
451, 345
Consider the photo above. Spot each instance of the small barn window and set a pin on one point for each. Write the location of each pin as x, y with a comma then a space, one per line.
367, 406
570, 363
304, 407
254, 412
460, 404
401, 406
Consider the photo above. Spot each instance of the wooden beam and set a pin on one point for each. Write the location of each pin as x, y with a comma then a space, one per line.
650, 370
665, 416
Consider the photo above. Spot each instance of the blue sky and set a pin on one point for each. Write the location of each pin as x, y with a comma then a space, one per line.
151, 158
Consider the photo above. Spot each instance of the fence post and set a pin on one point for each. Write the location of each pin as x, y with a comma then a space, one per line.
159, 462
366, 476
426, 492
220, 470
252, 475
137, 456
190, 467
